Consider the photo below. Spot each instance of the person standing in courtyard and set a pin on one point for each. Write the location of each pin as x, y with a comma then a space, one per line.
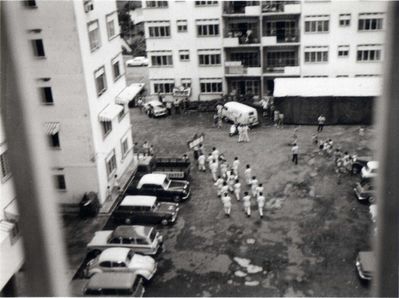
236, 165
248, 174
261, 203
225, 187
280, 120
276, 117
220, 122
231, 180
245, 135
201, 162
215, 154
223, 169
294, 150
239, 129
237, 189
214, 169
321, 120
247, 203
226, 200
146, 148
254, 185
259, 189
209, 160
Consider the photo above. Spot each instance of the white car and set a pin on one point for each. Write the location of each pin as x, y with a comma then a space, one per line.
121, 259
155, 108
137, 61
370, 170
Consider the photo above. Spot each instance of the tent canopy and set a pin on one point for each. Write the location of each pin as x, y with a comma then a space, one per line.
324, 87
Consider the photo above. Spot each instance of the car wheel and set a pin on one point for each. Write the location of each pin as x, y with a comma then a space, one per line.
176, 199
371, 199
164, 222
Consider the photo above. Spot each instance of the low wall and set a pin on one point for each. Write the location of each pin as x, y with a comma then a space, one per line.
337, 110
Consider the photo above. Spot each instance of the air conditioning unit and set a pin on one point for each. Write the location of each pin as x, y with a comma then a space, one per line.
88, 5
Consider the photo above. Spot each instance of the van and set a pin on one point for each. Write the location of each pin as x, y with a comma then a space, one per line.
242, 114
114, 284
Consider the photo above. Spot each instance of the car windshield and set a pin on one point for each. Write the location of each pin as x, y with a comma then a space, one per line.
152, 235
166, 182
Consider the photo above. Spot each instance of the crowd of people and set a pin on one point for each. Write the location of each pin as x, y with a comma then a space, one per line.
227, 181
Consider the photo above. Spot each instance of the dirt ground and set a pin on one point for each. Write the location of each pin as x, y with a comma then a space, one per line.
306, 243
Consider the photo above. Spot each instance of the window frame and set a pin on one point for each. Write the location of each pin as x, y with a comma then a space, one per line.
54, 141
44, 96
181, 26
97, 45
111, 157
99, 93
124, 139
38, 48
5, 168
58, 182
106, 128
343, 49
111, 17
116, 60
344, 19
185, 54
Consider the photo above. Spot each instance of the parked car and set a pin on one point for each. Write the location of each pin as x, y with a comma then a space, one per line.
359, 162
240, 113
365, 264
115, 284
137, 61
145, 210
370, 170
173, 167
162, 187
141, 239
155, 108
122, 259
365, 190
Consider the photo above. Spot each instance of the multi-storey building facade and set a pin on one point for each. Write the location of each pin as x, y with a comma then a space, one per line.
240, 47
77, 66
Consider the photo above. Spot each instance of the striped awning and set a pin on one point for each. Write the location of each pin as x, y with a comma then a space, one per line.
11, 211
52, 128
110, 112
129, 93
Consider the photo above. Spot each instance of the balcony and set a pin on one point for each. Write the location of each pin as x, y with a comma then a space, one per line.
286, 7
244, 8
282, 70
275, 40
235, 68
235, 38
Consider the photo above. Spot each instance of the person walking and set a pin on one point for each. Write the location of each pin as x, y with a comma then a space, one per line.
169, 107
247, 203
214, 169
215, 120
209, 160
226, 200
219, 185
225, 187
220, 122
231, 180
237, 189
248, 174
261, 203
275, 117
223, 169
321, 120
151, 150
215, 154
280, 120
146, 148
201, 162
294, 151
254, 185
236, 165
140, 104
196, 153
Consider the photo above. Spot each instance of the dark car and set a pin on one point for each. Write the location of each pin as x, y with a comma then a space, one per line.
145, 210
162, 187
359, 162
365, 191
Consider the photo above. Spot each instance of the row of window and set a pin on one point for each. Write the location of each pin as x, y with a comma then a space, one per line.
366, 22
164, 4
205, 58
365, 53
204, 28
212, 85
93, 29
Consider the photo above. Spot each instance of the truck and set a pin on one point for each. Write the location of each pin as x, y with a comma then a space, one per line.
174, 168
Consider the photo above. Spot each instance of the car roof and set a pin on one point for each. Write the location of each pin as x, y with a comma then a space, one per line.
111, 280
372, 164
138, 201
237, 105
139, 57
132, 231
152, 179
114, 254
368, 260
154, 102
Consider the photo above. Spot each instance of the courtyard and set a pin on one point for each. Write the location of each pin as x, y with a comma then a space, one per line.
306, 243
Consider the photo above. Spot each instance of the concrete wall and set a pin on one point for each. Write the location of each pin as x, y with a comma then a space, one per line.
341, 36
185, 10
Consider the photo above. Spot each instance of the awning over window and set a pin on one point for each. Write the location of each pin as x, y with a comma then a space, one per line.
11, 211
52, 128
110, 112
129, 93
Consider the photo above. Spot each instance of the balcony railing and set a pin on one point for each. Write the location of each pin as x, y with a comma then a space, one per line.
285, 36
243, 38
238, 7
276, 6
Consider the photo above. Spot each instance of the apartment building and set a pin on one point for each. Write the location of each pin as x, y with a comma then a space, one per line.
77, 66
239, 47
